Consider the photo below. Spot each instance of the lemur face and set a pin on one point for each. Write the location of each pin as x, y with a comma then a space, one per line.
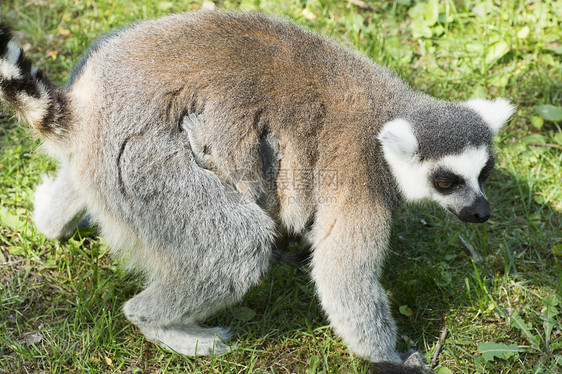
446, 157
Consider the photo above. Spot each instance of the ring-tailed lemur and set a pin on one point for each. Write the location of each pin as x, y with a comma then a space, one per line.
194, 139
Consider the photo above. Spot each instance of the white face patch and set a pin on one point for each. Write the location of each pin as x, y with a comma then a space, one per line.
399, 146
412, 177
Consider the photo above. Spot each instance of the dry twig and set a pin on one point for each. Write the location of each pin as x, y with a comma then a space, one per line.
442, 338
549, 145
475, 255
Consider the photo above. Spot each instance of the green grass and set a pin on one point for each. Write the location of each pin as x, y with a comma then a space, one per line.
60, 302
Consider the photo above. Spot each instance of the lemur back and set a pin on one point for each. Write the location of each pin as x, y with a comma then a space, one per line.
195, 139
273, 79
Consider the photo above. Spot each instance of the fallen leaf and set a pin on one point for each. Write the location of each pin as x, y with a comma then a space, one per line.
64, 32
405, 310
31, 338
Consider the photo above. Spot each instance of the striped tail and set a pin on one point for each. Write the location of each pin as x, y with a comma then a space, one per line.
44, 105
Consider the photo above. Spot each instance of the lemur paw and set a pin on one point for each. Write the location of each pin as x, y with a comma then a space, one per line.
414, 359
411, 362
191, 340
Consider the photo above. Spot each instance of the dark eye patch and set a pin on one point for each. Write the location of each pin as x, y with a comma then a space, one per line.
446, 181
486, 170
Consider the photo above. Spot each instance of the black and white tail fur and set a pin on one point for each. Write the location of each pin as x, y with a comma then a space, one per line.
37, 100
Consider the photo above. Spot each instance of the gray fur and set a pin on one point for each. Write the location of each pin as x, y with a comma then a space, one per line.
79, 67
444, 128
198, 138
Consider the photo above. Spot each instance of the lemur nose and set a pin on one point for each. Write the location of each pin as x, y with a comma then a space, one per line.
478, 212
481, 210
481, 218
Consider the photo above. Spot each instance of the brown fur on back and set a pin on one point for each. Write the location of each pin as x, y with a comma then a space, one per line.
252, 76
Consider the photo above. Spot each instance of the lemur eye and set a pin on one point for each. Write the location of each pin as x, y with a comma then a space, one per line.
445, 181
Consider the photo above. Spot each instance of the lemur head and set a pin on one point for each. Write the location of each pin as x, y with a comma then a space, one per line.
442, 151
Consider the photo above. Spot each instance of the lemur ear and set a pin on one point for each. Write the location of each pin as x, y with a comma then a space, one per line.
494, 112
397, 138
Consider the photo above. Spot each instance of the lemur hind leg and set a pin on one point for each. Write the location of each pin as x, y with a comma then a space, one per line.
200, 244
196, 282
158, 312
58, 206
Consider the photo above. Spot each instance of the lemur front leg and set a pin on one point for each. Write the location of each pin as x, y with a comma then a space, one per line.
349, 247
349, 244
